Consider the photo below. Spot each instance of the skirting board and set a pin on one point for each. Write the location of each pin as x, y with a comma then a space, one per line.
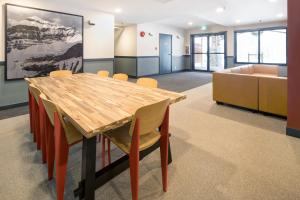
293, 132
13, 106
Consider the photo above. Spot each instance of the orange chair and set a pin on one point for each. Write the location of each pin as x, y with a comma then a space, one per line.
61, 73
103, 73
122, 77
147, 82
141, 134
61, 135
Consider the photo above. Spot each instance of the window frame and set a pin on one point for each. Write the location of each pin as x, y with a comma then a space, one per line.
208, 49
259, 30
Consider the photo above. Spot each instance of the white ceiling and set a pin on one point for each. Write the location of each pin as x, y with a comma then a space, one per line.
180, 12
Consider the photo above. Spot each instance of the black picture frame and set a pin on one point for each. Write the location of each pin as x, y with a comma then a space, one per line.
40, 9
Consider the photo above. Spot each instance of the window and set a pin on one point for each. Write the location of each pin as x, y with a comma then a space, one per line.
266, 46
209, 51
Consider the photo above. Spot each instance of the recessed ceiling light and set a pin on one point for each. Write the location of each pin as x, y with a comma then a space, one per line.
204, 28
280, 15
190, 23
237, 21
118, 10
220, 9
272, 1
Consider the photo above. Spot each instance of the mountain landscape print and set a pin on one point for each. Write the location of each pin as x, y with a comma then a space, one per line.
40, 41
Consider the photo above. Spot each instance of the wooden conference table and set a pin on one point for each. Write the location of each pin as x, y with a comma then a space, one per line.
95, 105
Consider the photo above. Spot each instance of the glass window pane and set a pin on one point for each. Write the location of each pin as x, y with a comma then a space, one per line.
200, 44
247, 47
216, 44
273, 46
216, 62
200, 61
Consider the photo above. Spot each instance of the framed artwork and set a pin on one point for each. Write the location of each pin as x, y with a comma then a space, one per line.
39, 41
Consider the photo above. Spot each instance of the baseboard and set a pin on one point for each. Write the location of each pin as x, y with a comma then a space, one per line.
13, 106
293, 132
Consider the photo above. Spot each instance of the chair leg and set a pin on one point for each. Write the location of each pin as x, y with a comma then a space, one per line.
30, 111
134, 157
42, 114
103, 151
164, 140
37, 124
61, 155
33, 118
108, 151
50, 148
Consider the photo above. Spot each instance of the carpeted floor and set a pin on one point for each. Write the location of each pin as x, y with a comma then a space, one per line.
219, 152
177, 82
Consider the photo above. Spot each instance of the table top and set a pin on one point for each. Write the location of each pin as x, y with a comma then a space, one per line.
95, 105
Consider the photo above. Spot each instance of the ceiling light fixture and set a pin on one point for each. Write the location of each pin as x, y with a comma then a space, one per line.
237, 21
273, 1
118, 10
204, 28
280, 15
220, 9
190, 23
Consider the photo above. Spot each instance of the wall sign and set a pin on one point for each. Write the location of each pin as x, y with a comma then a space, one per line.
39, 41
142, 34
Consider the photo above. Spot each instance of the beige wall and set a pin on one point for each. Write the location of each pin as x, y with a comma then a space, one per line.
126, 41
230, 32
98, 39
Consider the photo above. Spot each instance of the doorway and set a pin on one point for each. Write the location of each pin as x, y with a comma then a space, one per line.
165, 53
209, 51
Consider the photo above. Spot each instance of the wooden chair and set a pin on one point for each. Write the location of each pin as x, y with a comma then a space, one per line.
61, 73
61, 135
141, 134
147, 82
30, 96
122, 77
103, 73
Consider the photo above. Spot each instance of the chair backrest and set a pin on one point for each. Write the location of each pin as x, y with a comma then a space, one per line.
71, 136
35, 92
50, 108
147, 82
122, 77
150, 117
61, 73
103, 73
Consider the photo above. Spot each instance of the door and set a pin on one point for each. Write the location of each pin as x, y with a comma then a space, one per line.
209, 51
165, 53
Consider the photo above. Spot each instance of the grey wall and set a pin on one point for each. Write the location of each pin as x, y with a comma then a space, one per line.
147, 66
126, 65
15, 92
178, 63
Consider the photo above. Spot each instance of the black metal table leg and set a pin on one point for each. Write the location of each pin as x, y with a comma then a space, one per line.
88, 168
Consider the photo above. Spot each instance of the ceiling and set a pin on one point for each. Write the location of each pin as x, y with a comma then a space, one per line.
199, 12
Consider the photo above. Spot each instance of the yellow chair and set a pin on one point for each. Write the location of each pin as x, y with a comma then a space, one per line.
61, 73
122, 77
147, 82
103, 73
61, 135
141, 134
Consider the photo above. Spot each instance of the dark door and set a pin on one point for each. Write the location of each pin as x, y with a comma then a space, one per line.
165, 53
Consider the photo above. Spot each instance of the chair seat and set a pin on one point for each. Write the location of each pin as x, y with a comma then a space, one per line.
72, 134
122, 139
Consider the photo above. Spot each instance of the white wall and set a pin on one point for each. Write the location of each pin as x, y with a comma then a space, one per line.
126, 41
149, 45
230, 32
98, 39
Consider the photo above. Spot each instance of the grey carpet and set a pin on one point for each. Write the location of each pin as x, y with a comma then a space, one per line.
219, 153
177, 82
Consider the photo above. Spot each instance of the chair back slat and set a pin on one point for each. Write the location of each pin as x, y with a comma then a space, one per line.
147, 82
103, 73
150, 117
50, 108
121, 77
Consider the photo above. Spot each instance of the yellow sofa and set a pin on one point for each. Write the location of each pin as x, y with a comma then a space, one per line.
256, 87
